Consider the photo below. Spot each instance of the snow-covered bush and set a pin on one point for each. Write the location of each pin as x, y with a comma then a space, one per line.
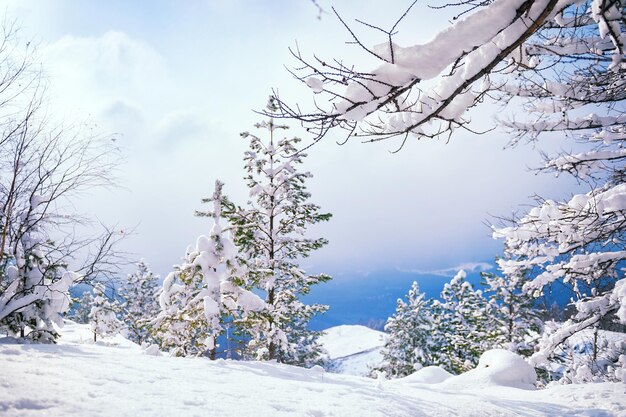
497, 367
34, 292
592, 355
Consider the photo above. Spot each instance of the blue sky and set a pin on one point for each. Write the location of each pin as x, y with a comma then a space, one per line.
176, 83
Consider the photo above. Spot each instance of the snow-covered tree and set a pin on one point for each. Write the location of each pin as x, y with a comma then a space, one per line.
462, 326
408, 347
425, 90
36, 290
270, 233
578, 243
81, 307
562, 61
590, 355
43, 168
104, 311
516, 318
140, 302
202, 292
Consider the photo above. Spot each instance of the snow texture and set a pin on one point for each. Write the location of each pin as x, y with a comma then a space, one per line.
427, 375
497, 367
353, 349
115, 378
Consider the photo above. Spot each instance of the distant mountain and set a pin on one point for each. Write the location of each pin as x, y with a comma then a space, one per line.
370, 299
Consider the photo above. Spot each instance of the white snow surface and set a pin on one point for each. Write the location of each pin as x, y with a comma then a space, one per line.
353, 349
427, 375
496, 367
346, 340
116, 378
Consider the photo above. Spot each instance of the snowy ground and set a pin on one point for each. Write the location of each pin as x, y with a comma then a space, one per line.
353, 349
79, 378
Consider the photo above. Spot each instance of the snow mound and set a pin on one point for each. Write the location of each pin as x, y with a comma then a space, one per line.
497, 367
427, 375
347, 340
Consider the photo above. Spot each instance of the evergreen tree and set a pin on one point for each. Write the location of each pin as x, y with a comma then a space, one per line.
461, 321
141, 305
199, 295
270, 235
103, 315
409, 345
81, 307
518, 325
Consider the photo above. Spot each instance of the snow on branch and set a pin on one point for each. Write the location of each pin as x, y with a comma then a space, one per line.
386, 101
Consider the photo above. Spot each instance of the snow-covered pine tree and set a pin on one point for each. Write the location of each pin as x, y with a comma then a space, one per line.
36, 292
408, 347
140, 302
461, 322
81, 307
270, 235
103, 315
516, 317
203, 291
180, 326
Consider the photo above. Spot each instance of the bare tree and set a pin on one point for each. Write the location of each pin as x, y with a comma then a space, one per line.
44, 246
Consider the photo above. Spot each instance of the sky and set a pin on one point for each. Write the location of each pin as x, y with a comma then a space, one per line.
176, 82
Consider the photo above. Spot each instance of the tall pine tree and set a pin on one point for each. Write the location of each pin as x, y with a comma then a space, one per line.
518, 322
271, 238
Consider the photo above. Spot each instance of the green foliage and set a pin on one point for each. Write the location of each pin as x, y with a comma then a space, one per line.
408, 347
516, 318
462, 326
141, 306
270, 235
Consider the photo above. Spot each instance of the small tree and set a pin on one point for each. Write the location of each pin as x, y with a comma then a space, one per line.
199, 295
270, 235
408, 347
141, 305
461, 320
81, 307
103, 315
516, 317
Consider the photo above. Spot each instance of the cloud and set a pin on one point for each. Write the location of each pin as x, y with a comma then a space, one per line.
112, 58
181, 125
450, 272
91, 72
